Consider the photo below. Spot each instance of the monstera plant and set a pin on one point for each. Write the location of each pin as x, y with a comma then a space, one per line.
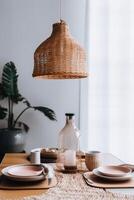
12, 138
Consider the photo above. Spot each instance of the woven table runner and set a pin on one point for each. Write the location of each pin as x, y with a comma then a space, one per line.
73, 187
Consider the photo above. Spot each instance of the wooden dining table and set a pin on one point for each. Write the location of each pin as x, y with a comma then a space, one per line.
21, 158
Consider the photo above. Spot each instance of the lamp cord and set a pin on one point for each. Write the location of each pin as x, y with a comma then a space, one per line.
60, 10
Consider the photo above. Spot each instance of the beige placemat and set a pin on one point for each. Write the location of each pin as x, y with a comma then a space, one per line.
16, 185
73, 187
103, 183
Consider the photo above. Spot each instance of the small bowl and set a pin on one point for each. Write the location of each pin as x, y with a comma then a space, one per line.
49, 153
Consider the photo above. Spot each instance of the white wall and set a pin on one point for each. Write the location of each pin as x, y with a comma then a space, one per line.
24, 24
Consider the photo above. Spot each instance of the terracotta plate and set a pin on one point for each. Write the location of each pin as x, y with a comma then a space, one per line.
114, 171
112, 178
15, 176
25, 170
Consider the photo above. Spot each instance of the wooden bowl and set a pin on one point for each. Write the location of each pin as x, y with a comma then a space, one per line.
49, 153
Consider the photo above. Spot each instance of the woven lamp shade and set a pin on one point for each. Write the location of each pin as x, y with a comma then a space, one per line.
60, 56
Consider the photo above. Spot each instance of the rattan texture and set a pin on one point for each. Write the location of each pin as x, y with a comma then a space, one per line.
60, 56
73, 187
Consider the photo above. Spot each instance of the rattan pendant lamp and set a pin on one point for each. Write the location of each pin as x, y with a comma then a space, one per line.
60, 56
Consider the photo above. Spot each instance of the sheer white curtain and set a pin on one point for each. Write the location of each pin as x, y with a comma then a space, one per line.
110, 28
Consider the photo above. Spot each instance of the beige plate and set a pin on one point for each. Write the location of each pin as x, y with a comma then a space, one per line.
25, 170
112, 178
114, 171
21, 178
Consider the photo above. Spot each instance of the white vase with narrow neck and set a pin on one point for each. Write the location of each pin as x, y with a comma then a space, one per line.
69, 135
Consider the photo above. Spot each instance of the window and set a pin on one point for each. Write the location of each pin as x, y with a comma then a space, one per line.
107, 97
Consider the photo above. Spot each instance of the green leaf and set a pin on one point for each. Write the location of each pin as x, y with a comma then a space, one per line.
46, 111
3, 112
26, 102
10, 82
1, 92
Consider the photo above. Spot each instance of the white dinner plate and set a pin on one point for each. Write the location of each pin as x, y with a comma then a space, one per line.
5, 170
114, 171
112, 178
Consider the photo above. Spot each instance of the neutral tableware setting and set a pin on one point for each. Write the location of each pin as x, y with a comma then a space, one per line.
28, 176
59, 183
112, 175
119, 175
25, 173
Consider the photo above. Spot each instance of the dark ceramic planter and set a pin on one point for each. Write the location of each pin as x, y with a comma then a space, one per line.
12, 141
